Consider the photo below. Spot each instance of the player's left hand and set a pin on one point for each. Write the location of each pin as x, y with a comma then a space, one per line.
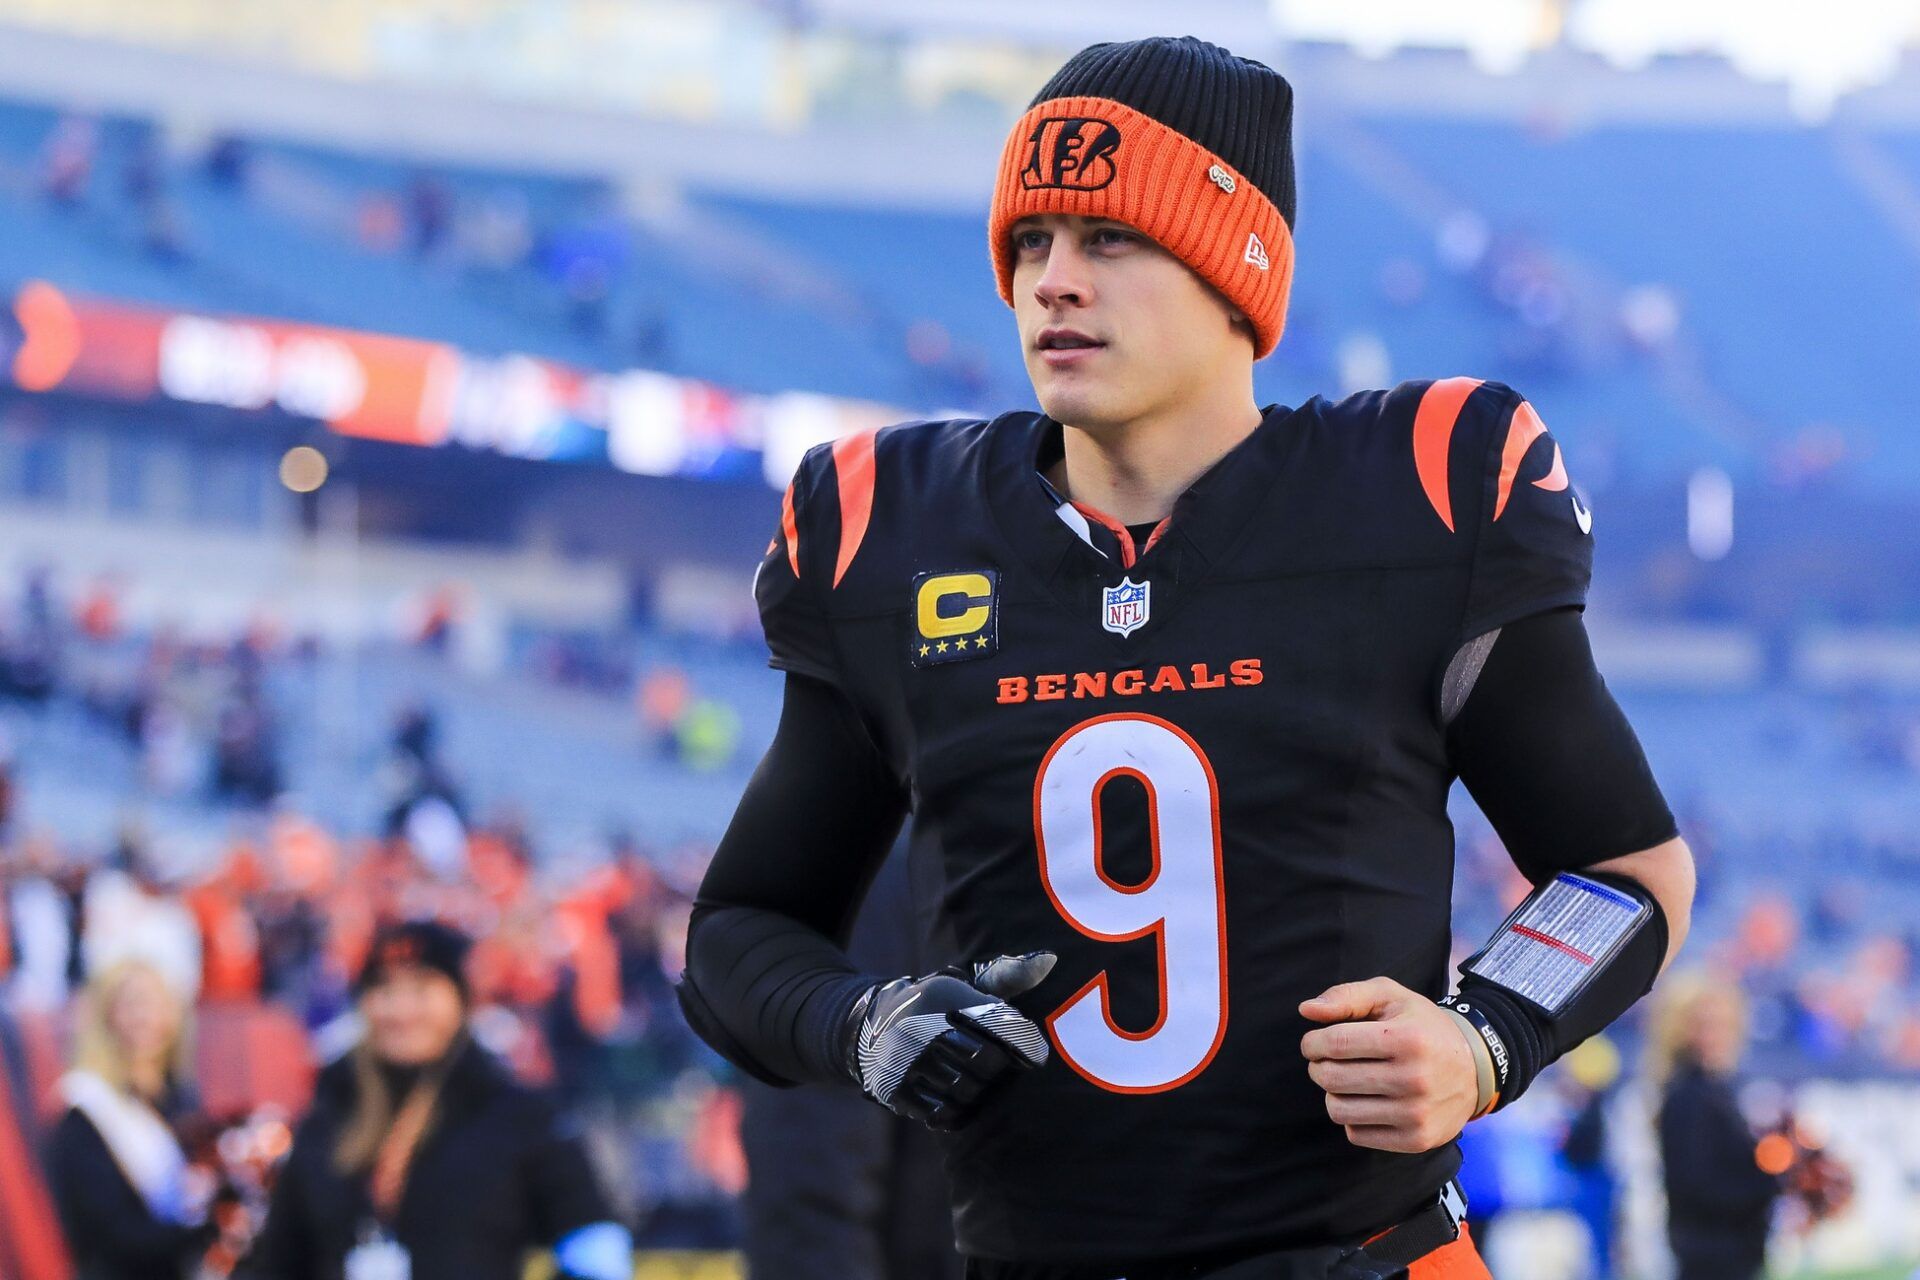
1398, 1074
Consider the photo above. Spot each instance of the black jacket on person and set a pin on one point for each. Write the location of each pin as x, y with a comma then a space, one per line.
1719, 1203
110, 1231
495, 1176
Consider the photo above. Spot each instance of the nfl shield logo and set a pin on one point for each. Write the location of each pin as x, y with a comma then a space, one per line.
1123, 609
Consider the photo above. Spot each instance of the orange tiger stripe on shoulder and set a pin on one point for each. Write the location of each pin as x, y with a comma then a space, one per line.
1556, 478
1433, 423
853, 468
1522, 430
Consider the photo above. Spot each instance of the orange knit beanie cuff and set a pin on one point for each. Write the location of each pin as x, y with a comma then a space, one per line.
1101, 159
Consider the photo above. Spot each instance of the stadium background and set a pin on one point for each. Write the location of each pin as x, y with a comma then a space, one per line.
395, 396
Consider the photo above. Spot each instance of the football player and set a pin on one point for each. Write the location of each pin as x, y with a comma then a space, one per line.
1174, 687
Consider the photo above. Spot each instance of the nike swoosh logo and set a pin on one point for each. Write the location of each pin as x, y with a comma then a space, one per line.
1581, 516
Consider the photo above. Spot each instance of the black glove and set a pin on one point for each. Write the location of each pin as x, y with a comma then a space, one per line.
928, 1048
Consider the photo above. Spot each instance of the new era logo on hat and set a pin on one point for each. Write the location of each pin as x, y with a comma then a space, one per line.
1256, 252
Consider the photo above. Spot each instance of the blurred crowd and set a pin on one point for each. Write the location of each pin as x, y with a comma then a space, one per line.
572, 963
570, 975
200, 716
127, 173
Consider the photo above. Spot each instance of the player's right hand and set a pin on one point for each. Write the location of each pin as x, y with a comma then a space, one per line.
929, 1048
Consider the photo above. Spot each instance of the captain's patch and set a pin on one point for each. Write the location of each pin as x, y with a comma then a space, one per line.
955, 616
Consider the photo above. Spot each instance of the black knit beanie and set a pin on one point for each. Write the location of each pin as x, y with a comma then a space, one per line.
427, 944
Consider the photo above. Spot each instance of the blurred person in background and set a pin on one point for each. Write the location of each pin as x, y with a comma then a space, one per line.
708, 735
422, 1158
131, 908
38, 926
665, 693
222, 903
1719, 1199
66, 161
246, 750
130, 1203
423, 801
9, 784
1586, 1084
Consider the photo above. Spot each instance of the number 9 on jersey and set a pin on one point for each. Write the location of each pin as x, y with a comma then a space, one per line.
1181, 903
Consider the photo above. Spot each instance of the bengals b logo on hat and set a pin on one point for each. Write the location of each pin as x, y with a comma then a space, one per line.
1074, 153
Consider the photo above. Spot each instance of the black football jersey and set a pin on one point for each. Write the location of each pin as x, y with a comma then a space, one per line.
1210, 775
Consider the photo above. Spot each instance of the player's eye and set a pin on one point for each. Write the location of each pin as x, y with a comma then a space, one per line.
1113, 235
1024, 240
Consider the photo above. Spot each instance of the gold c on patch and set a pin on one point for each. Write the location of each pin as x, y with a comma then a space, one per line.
954, 616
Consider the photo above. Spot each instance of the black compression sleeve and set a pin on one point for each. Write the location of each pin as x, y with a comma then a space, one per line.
1548, 755
768, 983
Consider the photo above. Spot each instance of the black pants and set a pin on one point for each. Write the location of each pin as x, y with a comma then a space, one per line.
1744, 1265
840, 1189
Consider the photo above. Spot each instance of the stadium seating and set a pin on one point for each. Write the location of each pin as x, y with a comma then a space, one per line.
1777, 336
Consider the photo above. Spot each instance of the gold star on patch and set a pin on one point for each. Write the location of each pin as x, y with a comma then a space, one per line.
980, 642
924, 650
942, 646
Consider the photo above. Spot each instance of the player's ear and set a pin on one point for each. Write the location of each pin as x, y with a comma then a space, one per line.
1236, 318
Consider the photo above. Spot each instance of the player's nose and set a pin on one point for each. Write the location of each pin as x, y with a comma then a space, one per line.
1065, 281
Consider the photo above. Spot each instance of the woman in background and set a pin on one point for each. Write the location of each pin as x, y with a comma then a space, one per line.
422, 1158
1719, 1201
130, 1204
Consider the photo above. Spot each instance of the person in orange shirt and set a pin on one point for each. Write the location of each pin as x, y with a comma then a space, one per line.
229, 940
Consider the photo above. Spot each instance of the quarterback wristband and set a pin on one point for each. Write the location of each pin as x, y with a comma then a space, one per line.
1573, 956
1489, 1054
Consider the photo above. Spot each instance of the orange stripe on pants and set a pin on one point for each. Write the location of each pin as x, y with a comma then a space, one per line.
1456, 1261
